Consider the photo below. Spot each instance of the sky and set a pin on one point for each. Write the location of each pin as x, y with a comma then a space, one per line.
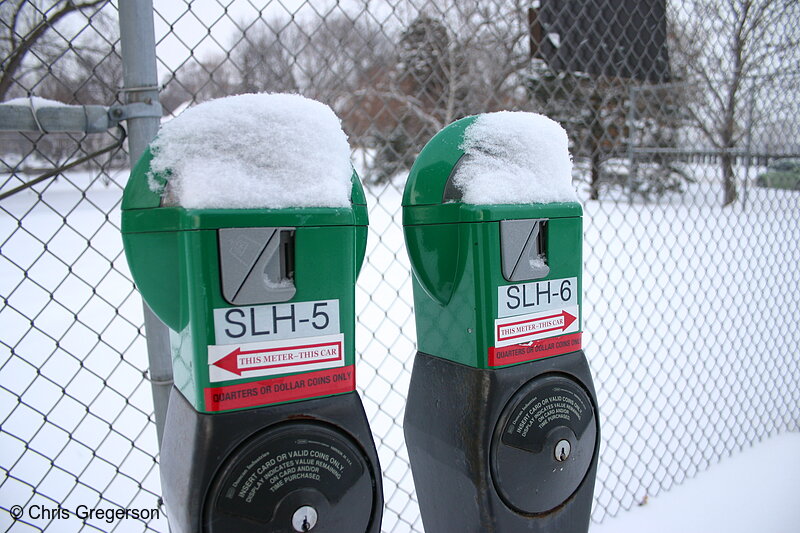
207, 26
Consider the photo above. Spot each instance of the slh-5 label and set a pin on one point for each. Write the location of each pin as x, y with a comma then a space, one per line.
237, 325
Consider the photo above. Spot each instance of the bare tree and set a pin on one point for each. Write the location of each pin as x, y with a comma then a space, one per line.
261, 60
27, 26
198, 80
355, 46
462, 58
325, 60
729, 48
476, 61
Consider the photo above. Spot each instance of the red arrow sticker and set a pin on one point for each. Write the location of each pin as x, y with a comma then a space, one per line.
534, 326
234, 361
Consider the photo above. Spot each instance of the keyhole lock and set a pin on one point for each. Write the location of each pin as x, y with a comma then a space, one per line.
562, 450
304, 519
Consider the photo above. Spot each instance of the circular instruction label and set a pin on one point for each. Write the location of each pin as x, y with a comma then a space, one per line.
295, 465
543, 444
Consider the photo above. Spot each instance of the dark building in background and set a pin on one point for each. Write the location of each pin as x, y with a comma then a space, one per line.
619, 38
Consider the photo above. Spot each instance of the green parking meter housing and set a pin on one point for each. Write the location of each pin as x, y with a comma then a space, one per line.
264, 427
501, 393
476, 265
208, 273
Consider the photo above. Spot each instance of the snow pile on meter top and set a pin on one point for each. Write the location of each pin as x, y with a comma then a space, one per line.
515, 158
254, 151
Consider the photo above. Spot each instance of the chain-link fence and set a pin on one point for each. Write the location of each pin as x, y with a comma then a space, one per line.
683, 119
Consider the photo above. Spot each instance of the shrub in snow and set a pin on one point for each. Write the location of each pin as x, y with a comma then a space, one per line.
515, 158
254, 151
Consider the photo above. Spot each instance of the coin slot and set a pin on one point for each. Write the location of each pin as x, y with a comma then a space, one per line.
257, 265
287, 255
523, 249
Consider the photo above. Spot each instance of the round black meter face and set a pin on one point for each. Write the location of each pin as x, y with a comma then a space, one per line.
298, 476
543, 444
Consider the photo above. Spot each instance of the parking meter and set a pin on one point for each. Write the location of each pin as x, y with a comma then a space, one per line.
264, 430
501, 422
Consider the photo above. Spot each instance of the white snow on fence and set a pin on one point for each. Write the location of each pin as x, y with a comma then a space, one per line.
34, 102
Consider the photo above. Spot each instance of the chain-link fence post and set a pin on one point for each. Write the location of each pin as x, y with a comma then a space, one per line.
137, 36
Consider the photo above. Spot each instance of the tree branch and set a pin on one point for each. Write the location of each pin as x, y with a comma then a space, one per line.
15, 58
701, 124
12, 33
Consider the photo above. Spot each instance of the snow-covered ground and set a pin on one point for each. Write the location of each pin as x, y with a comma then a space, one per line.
690, 326
70, 311
752, 491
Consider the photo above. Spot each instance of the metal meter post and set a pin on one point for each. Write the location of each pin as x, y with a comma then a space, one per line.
501, 422
264, 429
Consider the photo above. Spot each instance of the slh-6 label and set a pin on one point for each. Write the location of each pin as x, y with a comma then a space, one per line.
237, 325
526, 298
